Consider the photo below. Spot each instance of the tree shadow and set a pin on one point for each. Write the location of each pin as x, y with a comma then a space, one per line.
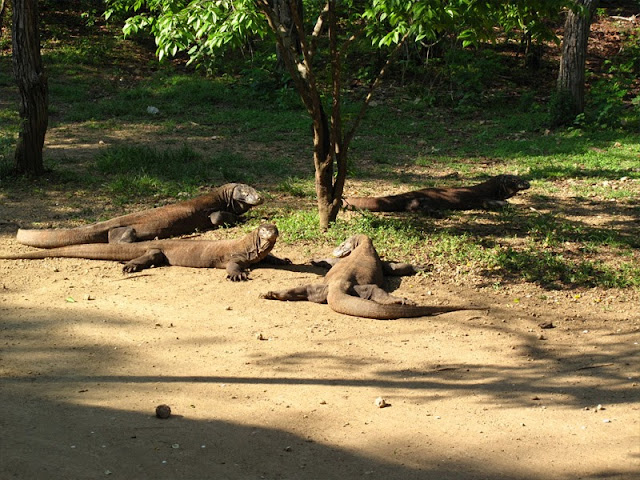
62, 439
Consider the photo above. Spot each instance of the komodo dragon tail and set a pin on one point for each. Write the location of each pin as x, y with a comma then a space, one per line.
373, 204
98, 251
48, 238
346, 304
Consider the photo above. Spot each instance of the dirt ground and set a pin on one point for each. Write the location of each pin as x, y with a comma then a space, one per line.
273, 390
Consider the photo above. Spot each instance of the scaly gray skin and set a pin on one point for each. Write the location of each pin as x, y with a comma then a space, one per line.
353, 285
223, 205
233, 255
486, 195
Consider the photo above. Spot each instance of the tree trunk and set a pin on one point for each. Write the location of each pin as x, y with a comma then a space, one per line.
328, 198
33, 87
570, 86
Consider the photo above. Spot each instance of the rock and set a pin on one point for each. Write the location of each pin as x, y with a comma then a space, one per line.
380, 402
163, 411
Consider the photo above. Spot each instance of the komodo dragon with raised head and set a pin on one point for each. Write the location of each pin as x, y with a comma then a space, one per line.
233, 255
489, 194
223, 205
353, 284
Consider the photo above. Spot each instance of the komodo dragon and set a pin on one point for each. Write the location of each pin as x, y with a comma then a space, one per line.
234, 255
489, 194
223, 205
359, 271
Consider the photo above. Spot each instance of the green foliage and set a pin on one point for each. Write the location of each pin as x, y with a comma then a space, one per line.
561, 108
471, 75
200, 28
609, 101
8, 137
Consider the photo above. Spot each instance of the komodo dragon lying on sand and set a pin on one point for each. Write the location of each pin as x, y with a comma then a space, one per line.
233, 255
223, 205
489, 194
359, 271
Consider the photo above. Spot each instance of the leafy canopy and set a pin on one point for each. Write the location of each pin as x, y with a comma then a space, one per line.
202, 28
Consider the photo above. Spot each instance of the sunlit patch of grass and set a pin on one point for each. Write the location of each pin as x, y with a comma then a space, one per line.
605, 190
553, 269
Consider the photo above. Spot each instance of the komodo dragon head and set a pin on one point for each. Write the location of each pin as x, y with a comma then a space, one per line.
268, 232
509, 185
243, 198
349, 245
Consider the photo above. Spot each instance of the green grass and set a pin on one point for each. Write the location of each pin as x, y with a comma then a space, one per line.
137, 172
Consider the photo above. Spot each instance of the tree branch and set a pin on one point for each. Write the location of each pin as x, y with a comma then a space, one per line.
349, 136
297, 70
336, 85
347, 43
317, 30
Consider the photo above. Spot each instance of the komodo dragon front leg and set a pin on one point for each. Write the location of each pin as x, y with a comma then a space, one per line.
218, 219
237, 268
314, 292
152, 258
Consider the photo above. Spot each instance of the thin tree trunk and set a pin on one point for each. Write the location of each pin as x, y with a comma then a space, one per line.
33, 87
283, 11
570, 84
323, 162
3, 4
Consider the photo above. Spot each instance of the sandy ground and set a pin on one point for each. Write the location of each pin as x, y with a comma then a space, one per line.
274, 390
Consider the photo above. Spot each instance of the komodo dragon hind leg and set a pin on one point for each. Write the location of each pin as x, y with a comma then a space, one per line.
153, 258
122, 235
398, 269
273, 260
315, 292
424, 206
326, 263
494, 204
376, 294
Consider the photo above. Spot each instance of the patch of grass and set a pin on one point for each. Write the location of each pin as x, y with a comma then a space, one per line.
554, 270
548, 230
298, 187
135, 172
